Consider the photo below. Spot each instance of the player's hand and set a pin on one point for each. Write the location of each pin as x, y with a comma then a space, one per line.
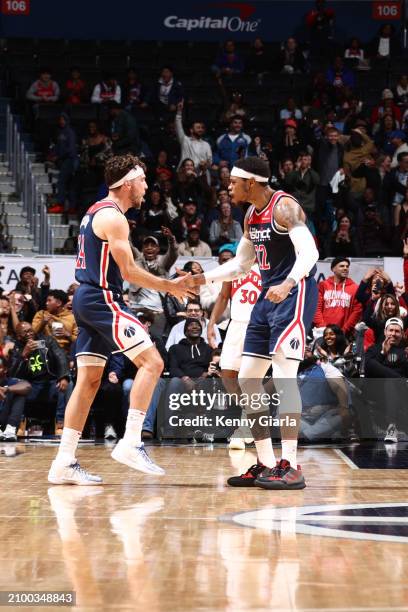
181, 287
62, 385
211, 336
193, 280
278, 293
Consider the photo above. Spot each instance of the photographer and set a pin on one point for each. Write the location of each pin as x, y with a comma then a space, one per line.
12, 399
388, 360
40, 361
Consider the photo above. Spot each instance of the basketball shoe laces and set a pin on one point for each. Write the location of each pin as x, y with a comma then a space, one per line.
77, 468
142, 452
254, 470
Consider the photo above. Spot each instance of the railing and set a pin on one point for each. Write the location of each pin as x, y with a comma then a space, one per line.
33, 200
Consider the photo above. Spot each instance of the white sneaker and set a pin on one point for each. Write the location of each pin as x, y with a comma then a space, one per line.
136, 458
391, 436
236, 444
71, 474
9, 434
110, 433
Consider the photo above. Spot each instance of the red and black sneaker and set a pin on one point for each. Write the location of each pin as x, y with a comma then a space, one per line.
282, 476
247, 479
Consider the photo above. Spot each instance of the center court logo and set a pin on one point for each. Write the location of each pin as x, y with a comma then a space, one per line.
129, 331
386, 522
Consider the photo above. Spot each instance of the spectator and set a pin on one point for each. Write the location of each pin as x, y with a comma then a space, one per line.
374, 284
172, 306
107, 90
399, 142
302, 183
8, 320
41, 362
193, 311
71, 243
339, 76
124, 131
64, 154
167, 140
394, 186
193, 147
354, 51
386, 307
28, 285
22, 307
75, 88
163, 172
291, 59
159, 265
320, 22
291, 111
286, 168
383, 135
337, 302
353, 113
130, 371
5, 241
228, 61
234, 144
332, 345
324, 394
12, 400
258, 62
154, 215
386, 106
56, 320
191, 184
355, 155
385, 45
290, 145
167, 92
388, 360
44, 90
189, 216
234, 106
193, 246
210, 292
401, 90
344, 240
132, 92
96, 148
375, 234
224, 229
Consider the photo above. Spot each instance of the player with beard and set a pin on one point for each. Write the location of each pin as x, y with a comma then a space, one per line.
276, 235
105, 324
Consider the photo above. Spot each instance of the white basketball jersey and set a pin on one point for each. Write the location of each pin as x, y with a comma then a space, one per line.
244, 294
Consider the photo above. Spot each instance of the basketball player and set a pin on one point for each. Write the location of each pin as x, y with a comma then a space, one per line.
243, 294
276, 235
105, 325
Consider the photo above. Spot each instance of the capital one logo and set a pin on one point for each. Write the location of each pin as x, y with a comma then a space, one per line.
235, 23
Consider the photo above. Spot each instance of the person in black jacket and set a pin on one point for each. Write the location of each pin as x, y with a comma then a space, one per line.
190, 358
388, 360
167, 92
39, 360
328, 160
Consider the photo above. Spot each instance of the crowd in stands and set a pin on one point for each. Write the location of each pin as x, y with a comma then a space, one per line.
331, 119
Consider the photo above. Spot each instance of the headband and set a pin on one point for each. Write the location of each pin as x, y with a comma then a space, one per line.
132, 174
239, 173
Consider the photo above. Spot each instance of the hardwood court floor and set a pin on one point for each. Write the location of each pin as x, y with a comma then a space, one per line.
186, 542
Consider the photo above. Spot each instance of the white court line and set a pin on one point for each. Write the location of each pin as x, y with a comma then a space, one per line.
347, 460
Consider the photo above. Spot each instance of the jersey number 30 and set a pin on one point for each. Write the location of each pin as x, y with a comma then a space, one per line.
80, 262
262, 257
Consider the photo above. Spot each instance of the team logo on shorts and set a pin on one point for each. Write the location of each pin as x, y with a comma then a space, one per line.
294, 343
129, 331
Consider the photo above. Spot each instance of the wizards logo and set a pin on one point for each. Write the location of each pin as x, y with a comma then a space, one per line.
386, 522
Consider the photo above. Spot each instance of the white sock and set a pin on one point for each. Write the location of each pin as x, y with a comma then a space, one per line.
264, 450
68, 446
134, 424
289, 452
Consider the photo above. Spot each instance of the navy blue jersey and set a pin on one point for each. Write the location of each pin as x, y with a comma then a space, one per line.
274, 249
95, 265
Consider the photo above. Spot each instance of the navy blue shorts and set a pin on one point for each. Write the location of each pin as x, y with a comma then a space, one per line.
282, 326
106, 325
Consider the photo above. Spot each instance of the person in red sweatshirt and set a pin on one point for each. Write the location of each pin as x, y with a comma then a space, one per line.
337, 298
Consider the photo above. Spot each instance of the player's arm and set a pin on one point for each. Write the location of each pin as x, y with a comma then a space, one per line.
219, 307
289, 215
116, 231
237, 267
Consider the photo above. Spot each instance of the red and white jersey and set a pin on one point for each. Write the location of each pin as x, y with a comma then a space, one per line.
244, 294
